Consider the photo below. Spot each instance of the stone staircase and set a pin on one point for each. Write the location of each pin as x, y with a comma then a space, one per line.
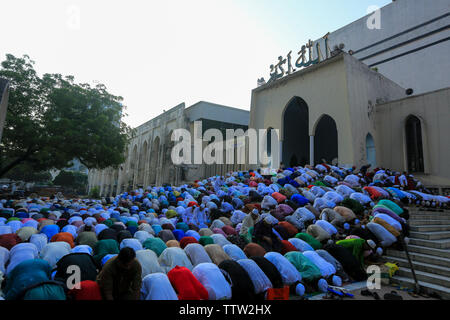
429, 250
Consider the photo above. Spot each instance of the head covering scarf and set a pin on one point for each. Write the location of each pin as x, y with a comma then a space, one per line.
310, 240
216, 253
149, 262
254, 250
104, 247
173, 256
26, 274
21, 252
289, 274
220, 239
134, 244
25, 233
82, 248
186, 284
196, 254
309, 271
166, 235
9, 240
187, 240
336, 264
351, 265
63, 236
89, 290
205, 240
213, 280
40, 240
193, 233
234, 252
155, 244
300, 245
50, 230
156, 286
270, 271
205, 232
327, 269
54, 251
241, 284
106, 234
173, 243
178, 233
287, 247
259, 279
142, 236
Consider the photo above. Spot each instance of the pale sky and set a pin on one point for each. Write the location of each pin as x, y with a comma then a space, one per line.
157, 54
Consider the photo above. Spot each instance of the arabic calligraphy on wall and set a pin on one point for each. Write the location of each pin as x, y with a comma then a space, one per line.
309, 54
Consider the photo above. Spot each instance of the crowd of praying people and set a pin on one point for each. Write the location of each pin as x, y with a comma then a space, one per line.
242, 236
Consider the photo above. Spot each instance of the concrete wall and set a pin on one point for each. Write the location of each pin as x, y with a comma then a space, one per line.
433, 109
4, 95
212, 111
341, 87
423, 70
366, 88
148, 162
323, 87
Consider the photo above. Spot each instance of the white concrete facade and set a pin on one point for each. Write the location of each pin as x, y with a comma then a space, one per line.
342, 88
148, 156
410, 48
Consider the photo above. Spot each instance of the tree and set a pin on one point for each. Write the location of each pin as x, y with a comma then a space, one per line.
52, 120
76, 181
22, 172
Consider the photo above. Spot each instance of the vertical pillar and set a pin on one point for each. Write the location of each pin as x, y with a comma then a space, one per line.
277, 165
311, 150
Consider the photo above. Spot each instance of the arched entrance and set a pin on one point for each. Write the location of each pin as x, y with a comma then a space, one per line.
154, 160
326, 141
414, 145
371, 155
296, 133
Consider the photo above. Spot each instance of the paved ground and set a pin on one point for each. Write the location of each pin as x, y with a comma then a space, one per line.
356, 288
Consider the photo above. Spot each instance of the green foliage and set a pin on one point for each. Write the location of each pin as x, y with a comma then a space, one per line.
94, 193
76, 181
22, 172
52, 120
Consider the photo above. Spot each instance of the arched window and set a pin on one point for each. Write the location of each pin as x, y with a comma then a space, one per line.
414, 146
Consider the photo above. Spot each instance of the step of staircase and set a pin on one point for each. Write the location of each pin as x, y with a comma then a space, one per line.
428, 222
438, 244
429, 250
444, 253
409, 282
430, 228
420, 257
436, 235
425, 276
420, 266
429, 217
